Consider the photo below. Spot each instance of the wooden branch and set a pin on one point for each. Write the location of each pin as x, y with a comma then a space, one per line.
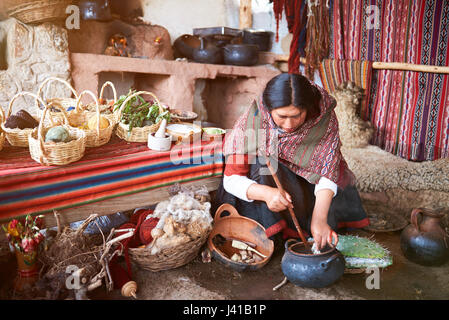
402, 66
410, 67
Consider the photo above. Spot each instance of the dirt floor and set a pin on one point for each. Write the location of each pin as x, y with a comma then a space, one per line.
404, 280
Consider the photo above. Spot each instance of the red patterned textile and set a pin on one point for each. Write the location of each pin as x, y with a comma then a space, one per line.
409, 110
312, 151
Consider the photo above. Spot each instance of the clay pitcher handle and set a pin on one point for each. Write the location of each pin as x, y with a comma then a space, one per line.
414, 217
226, 207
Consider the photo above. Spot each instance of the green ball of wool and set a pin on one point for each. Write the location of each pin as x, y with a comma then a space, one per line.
57, 134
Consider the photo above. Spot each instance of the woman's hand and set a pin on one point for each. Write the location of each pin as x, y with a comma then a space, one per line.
323, 234
321, 231
276, 202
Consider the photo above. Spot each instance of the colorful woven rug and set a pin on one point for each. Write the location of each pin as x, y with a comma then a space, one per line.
409, 110
113, 170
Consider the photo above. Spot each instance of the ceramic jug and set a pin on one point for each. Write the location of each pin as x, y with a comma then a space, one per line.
425, 241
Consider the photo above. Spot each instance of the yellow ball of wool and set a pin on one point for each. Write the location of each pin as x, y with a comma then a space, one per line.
92, 123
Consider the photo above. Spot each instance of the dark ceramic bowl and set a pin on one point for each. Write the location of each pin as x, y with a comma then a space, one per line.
186, 44
241, 54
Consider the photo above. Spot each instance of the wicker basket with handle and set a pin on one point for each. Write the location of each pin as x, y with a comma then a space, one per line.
38, 11
2, 134
51, 153
64, 103
79, 118
105, 104
169, 258
139, 134
17, 137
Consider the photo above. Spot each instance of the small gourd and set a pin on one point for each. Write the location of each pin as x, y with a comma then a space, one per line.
92, 123
57, 134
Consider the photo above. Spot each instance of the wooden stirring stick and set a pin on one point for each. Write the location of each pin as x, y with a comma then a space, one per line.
292, 213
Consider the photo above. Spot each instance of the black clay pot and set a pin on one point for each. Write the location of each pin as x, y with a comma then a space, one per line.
311, 270
260, 38
425, 242
241, 54
208, 54
185, 45
99, 10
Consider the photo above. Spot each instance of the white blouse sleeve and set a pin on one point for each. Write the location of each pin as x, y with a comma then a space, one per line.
325, 183
237, 186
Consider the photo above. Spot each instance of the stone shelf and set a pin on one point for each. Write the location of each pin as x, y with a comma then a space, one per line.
173, 81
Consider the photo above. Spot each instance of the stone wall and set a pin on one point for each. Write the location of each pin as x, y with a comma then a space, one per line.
29, 55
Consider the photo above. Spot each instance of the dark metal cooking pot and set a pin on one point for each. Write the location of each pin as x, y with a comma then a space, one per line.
241, 54
99, 10
208, 54
311, 270
261, 38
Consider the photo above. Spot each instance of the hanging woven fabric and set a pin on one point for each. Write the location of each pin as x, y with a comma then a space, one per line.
317, 43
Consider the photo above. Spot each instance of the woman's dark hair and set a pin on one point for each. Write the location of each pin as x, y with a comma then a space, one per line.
292, 89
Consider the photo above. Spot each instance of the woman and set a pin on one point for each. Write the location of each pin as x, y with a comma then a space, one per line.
293, 124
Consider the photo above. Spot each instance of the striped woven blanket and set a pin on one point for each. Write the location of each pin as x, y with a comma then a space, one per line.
113, 170
409, 110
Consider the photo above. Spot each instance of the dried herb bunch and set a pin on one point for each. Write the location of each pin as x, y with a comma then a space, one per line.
139, 113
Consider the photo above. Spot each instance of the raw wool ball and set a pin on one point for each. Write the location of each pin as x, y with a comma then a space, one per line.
354, 132
161, 208
167, 241
57, 134
145, 230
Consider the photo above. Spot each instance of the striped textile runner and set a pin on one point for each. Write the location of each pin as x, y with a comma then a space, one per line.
409, 110
333, 73
116, 169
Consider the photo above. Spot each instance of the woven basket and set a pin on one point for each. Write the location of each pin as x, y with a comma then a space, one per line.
59, 103
38, 11
61, 153
105, 104
2, 134
136, 134
17, 137
79, 118
168, 258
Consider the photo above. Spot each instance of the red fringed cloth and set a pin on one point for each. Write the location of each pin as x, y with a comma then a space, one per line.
296, 16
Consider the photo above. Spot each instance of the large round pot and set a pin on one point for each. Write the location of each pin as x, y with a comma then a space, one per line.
261, 38
241, 54
311, 270
99, 10
425, 242
186, 44
235, 226
208, 54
